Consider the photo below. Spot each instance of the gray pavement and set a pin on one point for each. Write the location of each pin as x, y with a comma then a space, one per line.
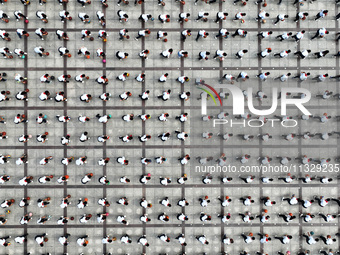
211, 71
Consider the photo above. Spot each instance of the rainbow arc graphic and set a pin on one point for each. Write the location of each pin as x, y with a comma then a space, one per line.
209, 90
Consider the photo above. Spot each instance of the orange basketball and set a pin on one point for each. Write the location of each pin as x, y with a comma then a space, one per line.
66, 176
265, 5
167, 20
85, 199
48, 198
127, 37
10, 56
165, 40
104, 40
28, 198
6, 20
265, 210
46, 133
87, 77
186, 20
47, 53
69, 55
87, 56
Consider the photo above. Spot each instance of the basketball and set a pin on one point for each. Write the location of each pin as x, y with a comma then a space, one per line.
68, 76
91, 38
4, 133
185, 20
28, 198
26, 21
8, 39
6, 20
46, 133
45, 239
304, 18
104, 60
264, 21
127, 37
244, 3
87, 56
69, 55
10, 56
47, 53
265, 5
72, 218
89, 2
87, 77
165, 40
104, 40
167, 20
68, 196
69, 18
48, 198
242, 20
